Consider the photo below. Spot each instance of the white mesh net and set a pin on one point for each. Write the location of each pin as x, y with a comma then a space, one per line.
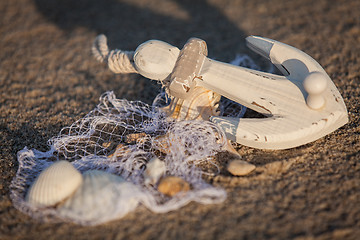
119, 137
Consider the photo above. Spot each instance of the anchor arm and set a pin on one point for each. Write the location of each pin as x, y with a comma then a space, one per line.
290, 121
289, 60
306, 107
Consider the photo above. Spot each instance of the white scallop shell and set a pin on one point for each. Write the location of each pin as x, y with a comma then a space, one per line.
54, 184
102, 197
202, 104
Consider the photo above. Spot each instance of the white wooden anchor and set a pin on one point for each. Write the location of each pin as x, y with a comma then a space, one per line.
301, 106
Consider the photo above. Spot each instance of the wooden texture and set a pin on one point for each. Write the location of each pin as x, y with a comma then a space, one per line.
290, 121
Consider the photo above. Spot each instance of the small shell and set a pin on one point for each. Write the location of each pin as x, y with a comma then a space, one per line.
277, 167
120, 151
107, 144
201, 105
54, 184
240, 167
155, 169
136, 137
171, 185
102, 197
162, 143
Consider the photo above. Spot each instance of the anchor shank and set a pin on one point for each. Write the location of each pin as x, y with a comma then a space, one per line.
260, 91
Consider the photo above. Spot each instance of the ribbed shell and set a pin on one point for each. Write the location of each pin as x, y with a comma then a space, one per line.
201, 105
54, 184
101, 197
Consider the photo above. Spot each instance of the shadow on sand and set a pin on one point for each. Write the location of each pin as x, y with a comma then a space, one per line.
128, 25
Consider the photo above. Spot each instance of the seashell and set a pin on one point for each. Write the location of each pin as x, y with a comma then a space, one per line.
277, 167
202, 104
101, 197
120, 151
240, 167
171, 186
107, 144
136, 138
155, 169
162, 143
54, 184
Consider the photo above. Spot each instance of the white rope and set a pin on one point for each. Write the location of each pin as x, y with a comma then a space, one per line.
100, 48
118, 61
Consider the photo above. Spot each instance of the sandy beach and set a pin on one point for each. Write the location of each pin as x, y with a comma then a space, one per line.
49, 79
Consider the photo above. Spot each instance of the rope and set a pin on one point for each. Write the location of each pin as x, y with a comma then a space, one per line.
118, 61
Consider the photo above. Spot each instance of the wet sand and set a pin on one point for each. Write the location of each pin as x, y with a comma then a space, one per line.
49, 79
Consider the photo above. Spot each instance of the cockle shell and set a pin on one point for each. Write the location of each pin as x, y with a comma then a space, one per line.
101, 196
54, 184
202, 104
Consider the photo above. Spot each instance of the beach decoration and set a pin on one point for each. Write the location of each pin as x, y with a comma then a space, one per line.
301, 106
123, 149
126, 153
55, 184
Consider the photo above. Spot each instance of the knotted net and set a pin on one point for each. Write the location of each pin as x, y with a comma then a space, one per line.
120, 137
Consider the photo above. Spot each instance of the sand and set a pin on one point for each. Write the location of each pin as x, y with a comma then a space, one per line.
49, 79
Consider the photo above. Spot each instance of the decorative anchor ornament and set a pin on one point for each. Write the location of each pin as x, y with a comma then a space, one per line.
301, 106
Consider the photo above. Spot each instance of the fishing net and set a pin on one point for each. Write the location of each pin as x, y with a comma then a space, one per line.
120, 137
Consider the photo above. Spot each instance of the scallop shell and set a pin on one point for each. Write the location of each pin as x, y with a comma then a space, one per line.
54, 184
101, 197
202, 104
